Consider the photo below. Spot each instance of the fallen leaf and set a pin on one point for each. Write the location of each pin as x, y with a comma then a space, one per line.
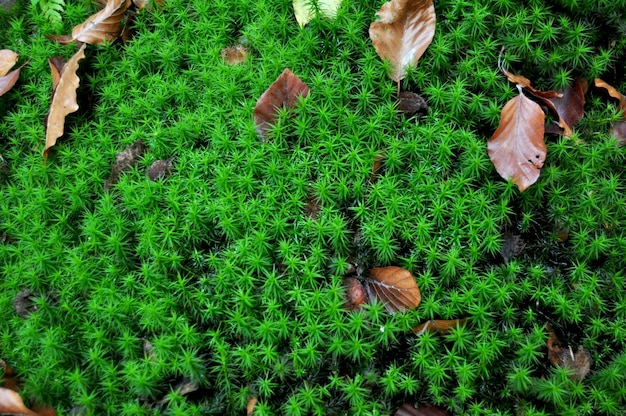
305, 12
186, 386
104, 26
618, 130
312, 207
441, 327
63, 98
141, 4
160, 169
234, 55
355, 293
554, 346
426, 410
378, 164
8, 59
512, 246
410, 104
612, 92
394, 286
570, 105
24, 304
250, 407
9, 381
125, 160
56, 68
11, 403
8, 81
284, 92
517, 148
403, 32
579, 363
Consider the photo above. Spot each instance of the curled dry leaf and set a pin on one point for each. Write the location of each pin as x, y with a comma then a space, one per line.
570, 105
8, 59
11, 403
125, 160
613, 92
517, 149
234, 55
408, 409
440, 326
63, 97
104, 26
305, 12
284, 92
395, 287
403, 32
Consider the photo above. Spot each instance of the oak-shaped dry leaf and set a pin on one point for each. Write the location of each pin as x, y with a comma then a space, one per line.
234, 55
613, 92
403, 32
517, 148
283, 93
394, 286
63, 98
408, 409
104, 26
570, 105
305, 12
8, 59
439, 326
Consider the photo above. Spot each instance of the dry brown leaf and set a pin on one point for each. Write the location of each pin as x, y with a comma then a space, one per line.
403, 32
234, 55
579, 363
517, 148
440, 326
395, 287
11, 403
142, 4
104, 26
56, 68
250, 407
8, 81
355, 293
570, 105
612, 92
8, 59
124, 160
63, 99
284, 92
378, 164
9, 381
410, 103
618, 130
408, 409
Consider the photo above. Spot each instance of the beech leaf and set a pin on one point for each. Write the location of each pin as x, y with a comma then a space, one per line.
8, 81
403, 32
63, 98
439, 326
104, 26
517, 149
305, 12
395, 287
8, 59
283, 93
570, 105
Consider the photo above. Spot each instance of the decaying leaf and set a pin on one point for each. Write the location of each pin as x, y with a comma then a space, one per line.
63, 98
395, 287
9, 381
234, 55
8, 59
251, 404
618, 130
312, 207
11, 403
125, 160
403, 32
355, 293
104, 26
613, 92
142, 4
284, 92
411, 104
440, 326
408, 409
570, 105
24, 304
512, 246
186, 386
8, 79
379, 159
579, 363
160, 169
517, 148
305, 12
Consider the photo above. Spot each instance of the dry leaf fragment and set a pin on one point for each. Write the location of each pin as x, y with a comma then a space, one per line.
8, 81
579, 363
141, 4
305, 12
512, 246
403, 32
63, 98
160, 169
570, 105
24, 304
442, 327
8, 59
234, 55
11, 403
410, 104
395, 287
186, 386
612, 92
104, 26
355, 293
408, 409
125, 160
517, 148
618, 130
250, 407
284, 92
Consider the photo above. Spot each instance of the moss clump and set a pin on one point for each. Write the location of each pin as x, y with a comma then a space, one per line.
221, 275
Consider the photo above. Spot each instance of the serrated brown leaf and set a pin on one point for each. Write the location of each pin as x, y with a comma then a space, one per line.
403, 33
613, 92
8, 59
283, 93
570, 105
234, 55
63, 98
439, 326
393, 286
408, 409
104, 26
517, 148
